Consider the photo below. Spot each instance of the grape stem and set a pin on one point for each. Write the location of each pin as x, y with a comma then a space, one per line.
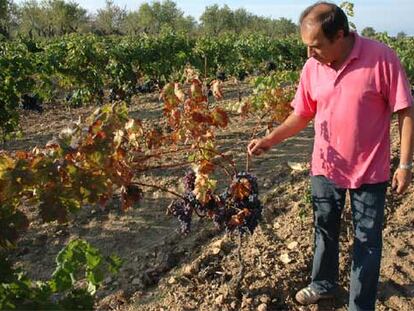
248, 158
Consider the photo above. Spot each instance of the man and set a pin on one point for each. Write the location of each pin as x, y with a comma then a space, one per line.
350, 86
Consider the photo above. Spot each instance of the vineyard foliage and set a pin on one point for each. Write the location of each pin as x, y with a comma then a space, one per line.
77, 263
404, 47
85, 68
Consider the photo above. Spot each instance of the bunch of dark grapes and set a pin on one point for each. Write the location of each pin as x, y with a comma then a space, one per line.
192, 201
189, 180
183, 208
228, 211
183, 211
250, 204
222, 216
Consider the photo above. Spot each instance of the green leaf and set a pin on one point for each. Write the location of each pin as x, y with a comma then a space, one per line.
93, 259
61, 280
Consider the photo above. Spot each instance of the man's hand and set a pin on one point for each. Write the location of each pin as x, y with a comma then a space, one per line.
401, 180
258, 146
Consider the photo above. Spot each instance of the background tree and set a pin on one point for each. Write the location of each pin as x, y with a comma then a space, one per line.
283, 27
216, 20
5, 18
242, 20
110, 19
33, 19
348, 8
131, 24
368, 32
186, 25
65, 17
51, 18
153, 17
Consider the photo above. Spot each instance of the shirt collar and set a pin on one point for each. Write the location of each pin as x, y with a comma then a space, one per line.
356, 49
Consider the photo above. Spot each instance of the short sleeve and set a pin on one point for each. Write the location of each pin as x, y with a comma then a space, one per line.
302, 103
397, 88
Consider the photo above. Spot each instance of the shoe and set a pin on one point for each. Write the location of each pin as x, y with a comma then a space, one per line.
307, 296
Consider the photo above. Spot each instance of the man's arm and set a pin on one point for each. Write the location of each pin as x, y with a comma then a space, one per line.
290, 127
402, 176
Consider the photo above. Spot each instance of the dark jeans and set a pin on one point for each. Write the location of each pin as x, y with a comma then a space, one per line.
367, 215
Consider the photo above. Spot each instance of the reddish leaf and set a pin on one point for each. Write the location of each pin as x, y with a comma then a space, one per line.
103, 200
100, 135
201, 118
220, 117
205, 167
168, 95
238, 219
175, 118
240, 190
216, 89
197, 91
120, 154
178, 92
22, 155
95, 127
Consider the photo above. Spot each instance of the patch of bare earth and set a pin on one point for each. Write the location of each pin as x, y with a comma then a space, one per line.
163, 270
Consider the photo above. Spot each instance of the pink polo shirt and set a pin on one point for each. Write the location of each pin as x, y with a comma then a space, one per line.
352, 110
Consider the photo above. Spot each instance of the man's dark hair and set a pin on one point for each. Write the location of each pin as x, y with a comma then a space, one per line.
331, 21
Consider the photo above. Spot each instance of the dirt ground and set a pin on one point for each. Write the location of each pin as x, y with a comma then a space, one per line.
164, 270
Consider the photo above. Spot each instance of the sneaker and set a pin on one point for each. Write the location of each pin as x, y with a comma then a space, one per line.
308, 296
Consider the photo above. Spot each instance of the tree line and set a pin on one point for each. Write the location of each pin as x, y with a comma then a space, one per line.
51, 18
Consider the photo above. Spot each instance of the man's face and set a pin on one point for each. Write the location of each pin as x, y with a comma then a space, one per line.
319, 47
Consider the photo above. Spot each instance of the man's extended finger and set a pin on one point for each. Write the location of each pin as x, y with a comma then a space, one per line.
251, 145
251, 150
256, 150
